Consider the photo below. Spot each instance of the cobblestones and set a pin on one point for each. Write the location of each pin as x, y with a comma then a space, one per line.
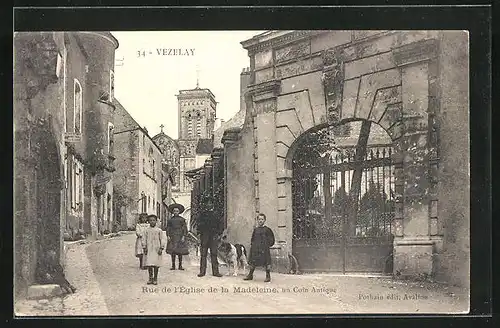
108, 281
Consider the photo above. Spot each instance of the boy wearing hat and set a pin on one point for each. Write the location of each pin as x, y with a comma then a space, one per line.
177, 232
153, 245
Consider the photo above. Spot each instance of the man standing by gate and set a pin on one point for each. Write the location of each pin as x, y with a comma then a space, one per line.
209, 227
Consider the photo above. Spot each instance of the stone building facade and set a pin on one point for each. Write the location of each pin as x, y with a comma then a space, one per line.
412, 84
63, 153
139, 180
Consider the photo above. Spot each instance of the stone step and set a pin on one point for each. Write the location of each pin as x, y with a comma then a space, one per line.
36, 292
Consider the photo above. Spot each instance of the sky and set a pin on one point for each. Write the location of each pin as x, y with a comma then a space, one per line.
146, 83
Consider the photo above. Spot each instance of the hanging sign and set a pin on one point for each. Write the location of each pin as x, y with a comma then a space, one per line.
72, 137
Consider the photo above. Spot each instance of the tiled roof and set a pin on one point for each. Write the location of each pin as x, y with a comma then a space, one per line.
236, 121
204, 146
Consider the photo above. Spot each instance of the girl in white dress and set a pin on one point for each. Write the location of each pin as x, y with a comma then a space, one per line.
153, 245
140, 227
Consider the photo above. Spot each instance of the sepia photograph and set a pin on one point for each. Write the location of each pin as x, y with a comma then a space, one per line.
241, 172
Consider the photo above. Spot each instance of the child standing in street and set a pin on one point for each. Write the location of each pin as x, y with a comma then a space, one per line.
140, 227
153, 245
260, 254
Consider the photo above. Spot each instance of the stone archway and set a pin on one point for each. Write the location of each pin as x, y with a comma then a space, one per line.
395, 89
298, 106
343, 198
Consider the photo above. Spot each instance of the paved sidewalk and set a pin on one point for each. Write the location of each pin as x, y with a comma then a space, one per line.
88, 299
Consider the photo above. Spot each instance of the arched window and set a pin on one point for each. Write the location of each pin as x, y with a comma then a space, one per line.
77, 107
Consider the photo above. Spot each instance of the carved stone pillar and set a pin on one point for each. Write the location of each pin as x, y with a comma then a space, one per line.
284, 233
230, 137
413, 247
264, 115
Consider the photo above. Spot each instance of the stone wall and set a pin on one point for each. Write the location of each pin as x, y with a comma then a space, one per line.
240, 184
303, 80
149, 181
125, 178
453, 262
46, 65
134, 169
38, 140
76, 63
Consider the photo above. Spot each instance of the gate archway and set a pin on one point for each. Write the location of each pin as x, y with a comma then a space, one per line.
343, 199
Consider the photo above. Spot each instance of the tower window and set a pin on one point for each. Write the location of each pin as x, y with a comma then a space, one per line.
198, 127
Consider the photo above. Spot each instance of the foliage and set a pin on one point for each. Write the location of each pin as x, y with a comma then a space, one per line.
374, 203
314, 147
339, 200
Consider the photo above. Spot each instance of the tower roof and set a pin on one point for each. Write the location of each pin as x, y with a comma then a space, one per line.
196, 93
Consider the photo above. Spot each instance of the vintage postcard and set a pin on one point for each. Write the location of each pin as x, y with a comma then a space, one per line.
288, 172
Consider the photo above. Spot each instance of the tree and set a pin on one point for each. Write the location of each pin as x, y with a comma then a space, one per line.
357, 175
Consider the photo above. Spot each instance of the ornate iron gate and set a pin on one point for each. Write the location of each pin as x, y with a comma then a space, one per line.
336, 228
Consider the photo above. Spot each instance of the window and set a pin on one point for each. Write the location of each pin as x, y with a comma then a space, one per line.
143, 202
198, 126
153, 173
79, 198
149, 201
144, 165
190, 126
111, 85
76, 184
110, 137
77, 107
66, 172
59, 65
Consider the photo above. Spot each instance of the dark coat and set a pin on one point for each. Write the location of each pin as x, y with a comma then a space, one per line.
208, 224
176, 229
262, 240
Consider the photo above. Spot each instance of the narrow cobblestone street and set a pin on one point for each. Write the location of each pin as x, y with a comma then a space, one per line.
109, 282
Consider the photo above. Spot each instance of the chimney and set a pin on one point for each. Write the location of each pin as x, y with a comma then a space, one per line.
217, 123
146, 130
244, 82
